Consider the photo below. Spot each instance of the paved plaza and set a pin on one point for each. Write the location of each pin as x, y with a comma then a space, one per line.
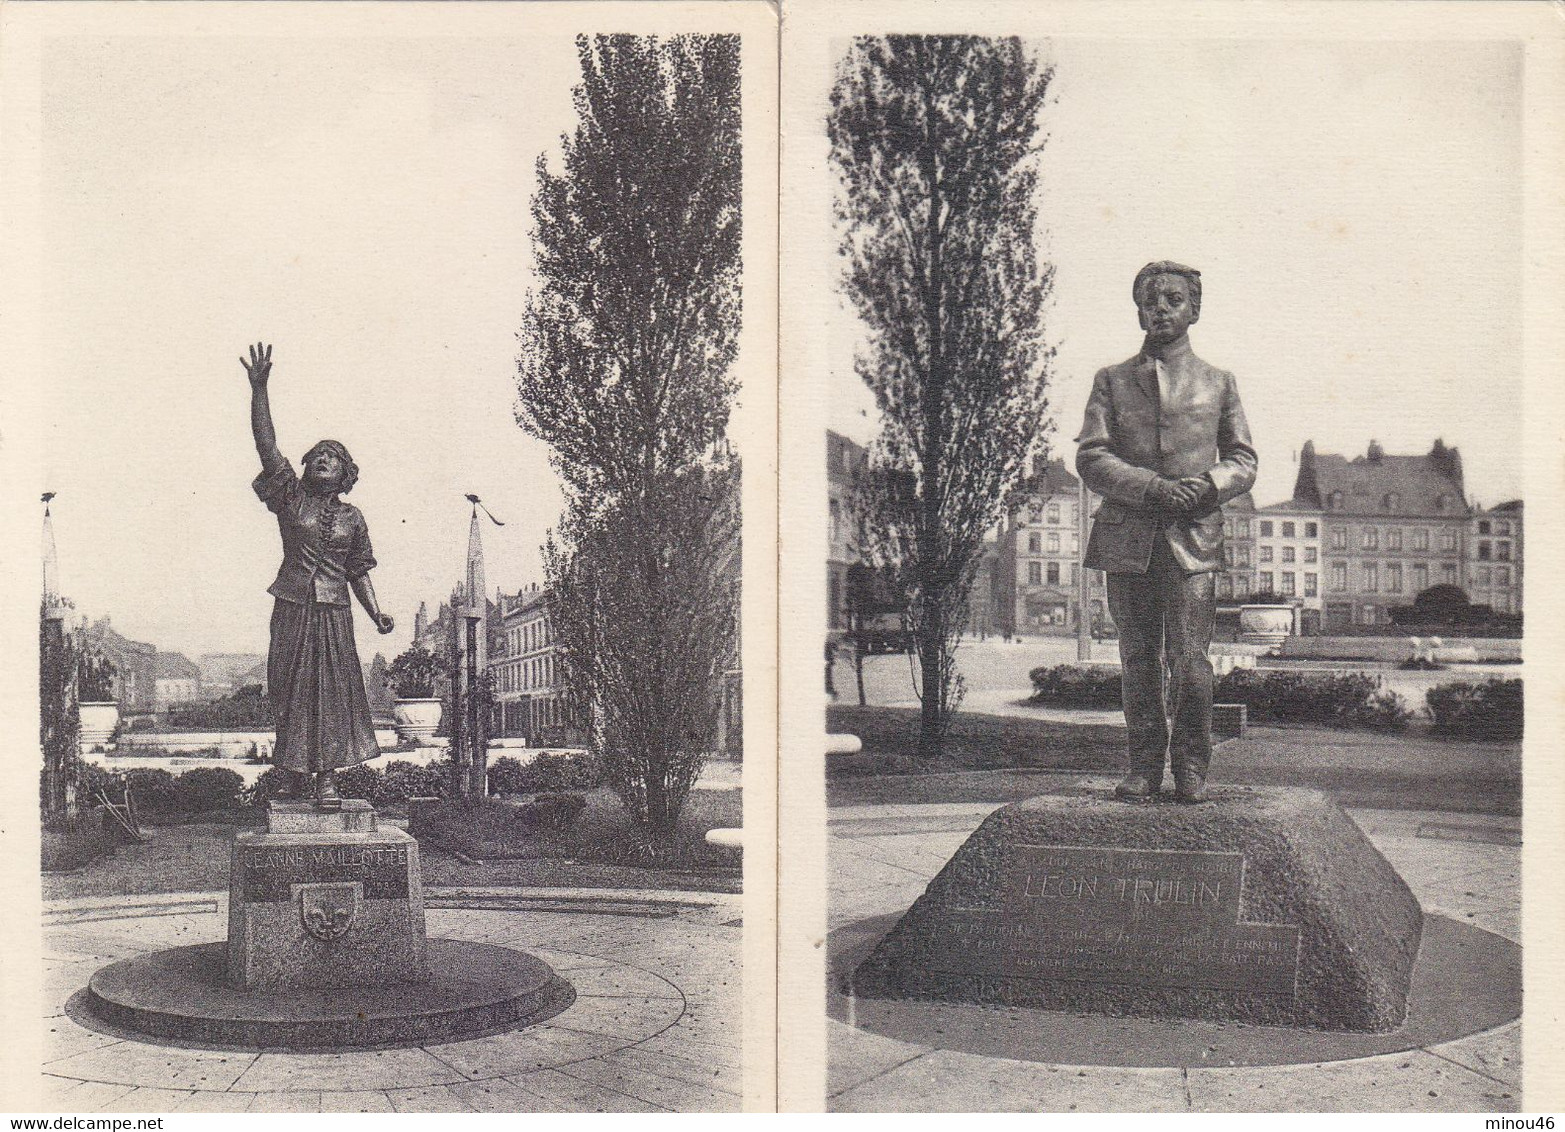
1466, 867
654, 1027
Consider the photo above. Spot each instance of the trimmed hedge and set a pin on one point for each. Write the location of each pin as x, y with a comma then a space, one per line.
386, 788
1489, 709
1076, 685
549, 773
1331, 699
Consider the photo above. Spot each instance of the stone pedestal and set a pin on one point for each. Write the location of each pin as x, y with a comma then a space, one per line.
1267, 906
325, 899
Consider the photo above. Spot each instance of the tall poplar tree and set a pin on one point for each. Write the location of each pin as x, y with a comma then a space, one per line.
935, 142
627, 348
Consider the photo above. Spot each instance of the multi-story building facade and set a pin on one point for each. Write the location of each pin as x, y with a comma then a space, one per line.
1494, 558
1236, 583
1391, 526
1039, 555
1289, 561
529, 684
845, 462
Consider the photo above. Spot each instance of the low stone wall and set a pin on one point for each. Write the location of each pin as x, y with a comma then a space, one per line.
1396, 649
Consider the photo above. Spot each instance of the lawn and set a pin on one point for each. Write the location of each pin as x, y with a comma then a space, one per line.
994, 758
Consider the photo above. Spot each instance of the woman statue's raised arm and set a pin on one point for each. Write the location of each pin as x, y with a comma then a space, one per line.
258, 369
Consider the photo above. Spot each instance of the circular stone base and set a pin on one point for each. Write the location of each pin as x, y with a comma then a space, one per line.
1465, 981
180, 995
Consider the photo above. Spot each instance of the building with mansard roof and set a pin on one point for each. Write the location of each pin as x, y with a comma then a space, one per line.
177, 681
1392, 526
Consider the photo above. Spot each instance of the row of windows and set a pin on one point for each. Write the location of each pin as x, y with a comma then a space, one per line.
1497, 551
1374, 575
1390, 502
1035, 543
528, 638
1053, 514
1496, 576
1289, 529
1057, 573
1370, 538
524, 675
1311, 554
1485, 527
1286, 583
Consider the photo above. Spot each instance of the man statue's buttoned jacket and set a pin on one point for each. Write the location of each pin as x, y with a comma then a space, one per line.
1172, 416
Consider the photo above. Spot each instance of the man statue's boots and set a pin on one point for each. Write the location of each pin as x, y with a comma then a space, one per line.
1142, 783
1190, 779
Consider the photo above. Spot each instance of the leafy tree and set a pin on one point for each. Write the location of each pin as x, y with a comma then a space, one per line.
377, 683
624, 370
935, 139
59, 725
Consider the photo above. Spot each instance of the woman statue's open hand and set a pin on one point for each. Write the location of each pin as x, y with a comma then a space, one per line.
259, 367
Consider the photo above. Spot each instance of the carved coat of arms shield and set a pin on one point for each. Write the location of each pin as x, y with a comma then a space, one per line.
328, 910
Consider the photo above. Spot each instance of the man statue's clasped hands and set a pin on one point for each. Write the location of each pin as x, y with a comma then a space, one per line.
1186, 496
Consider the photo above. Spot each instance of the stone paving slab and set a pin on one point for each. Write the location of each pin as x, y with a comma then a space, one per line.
350, 1071
947, 1081
561, 1092
1403, 1082
1496, 1054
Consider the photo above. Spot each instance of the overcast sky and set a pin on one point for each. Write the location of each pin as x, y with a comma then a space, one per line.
363, 205
1355, 210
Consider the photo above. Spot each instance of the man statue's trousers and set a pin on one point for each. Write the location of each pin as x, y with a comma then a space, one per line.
1164, 617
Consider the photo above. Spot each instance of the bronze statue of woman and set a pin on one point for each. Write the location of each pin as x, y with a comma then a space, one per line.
312, 669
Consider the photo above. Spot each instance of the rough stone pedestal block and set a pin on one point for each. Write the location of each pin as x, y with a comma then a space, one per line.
325, 899
1266, 906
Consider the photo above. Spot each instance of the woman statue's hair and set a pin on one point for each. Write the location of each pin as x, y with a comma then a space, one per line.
350, 470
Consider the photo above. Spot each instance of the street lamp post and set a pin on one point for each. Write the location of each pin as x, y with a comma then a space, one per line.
1083, 601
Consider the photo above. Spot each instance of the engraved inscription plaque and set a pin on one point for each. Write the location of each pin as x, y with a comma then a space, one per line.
271, 871
1122, 916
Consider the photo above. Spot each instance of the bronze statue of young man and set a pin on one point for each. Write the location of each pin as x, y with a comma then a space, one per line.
312, 669
1165, 444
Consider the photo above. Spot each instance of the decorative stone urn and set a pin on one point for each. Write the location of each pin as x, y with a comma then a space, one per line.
417, 719
1265, 624
99, 718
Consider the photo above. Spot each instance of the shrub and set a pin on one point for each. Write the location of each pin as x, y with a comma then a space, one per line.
360, 781
91, 779
1351, 699
402, 780
273, 781
506, 776
248, 709
1072, 685
413, 673
1490, 709
1331, 699
1385, 710
155, 790
552, 772
206, 788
